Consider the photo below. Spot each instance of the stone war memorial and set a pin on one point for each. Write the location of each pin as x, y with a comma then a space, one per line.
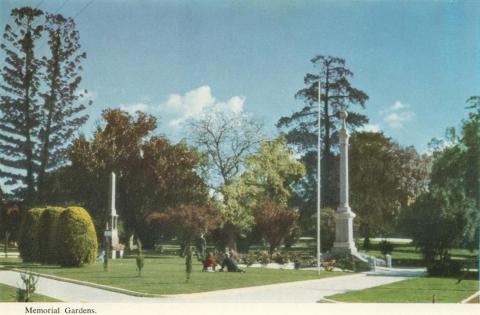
344, 241
344, 244
111, 231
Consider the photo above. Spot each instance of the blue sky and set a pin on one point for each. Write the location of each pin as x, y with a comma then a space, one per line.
417, 60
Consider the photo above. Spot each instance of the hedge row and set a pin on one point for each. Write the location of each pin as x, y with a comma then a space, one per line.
55, 235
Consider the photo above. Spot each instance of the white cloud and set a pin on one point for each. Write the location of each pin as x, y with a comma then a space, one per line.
397, 120
370, 128
396, 116
133, 108
195, 102
399, 105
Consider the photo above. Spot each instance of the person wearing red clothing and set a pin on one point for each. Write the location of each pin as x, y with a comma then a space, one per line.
210, 263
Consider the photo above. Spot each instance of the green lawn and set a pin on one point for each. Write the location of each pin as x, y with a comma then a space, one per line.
419, 290
166, 275
8, 293
406, 255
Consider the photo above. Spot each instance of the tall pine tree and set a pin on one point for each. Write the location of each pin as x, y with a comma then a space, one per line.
301, 127
19, 106
39, 107
62, 113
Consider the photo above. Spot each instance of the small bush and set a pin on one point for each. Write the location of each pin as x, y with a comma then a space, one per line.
28, 242
77, 240
30, 283
281, 258
47, 235
449, 268
248, 259
345, 262
262, 257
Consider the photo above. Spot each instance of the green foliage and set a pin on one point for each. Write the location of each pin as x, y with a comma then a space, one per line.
29, 282
327, 231
270, 174
77, 240
10, 220
384, 177
437, 221
153, 173
39, 113
448, 268
345, 262
20, 111
47, 235
28, 244
226, 139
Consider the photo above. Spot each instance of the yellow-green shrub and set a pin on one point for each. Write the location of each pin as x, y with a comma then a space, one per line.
76, 238
47, 235
28, 240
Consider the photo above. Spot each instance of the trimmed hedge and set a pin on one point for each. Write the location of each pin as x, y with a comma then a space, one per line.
47, 235
76, 238
28, 240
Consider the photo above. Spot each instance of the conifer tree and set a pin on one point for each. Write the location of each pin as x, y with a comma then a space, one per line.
19, 105
61, 112
40, 106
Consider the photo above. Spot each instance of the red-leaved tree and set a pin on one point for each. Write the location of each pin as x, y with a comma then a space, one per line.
275, 222
187, 221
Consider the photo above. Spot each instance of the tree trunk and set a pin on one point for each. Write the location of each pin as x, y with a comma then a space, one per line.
50, 104
271, 250
231, 237
28, 150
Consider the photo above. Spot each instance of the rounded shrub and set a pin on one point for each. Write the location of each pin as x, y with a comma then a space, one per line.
28, 241
47, 235
76, 238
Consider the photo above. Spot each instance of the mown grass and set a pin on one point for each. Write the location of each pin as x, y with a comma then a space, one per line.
8, 294
166, 275
419, 290
406, 255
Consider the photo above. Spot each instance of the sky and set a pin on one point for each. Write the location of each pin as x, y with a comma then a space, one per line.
417, 60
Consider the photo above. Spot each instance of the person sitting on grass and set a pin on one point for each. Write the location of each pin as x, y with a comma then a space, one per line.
230, 262
210, 263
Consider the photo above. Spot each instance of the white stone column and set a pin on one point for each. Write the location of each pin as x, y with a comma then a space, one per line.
344, 242
114, 241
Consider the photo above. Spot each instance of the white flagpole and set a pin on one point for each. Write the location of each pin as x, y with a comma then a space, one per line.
318, 177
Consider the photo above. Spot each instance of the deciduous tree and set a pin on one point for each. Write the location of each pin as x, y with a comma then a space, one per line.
153, 174
275, 221
384, 177
187, 221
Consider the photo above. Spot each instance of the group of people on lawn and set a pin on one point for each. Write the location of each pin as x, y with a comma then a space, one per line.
229, 260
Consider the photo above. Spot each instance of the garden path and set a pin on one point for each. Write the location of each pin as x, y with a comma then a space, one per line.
309, 291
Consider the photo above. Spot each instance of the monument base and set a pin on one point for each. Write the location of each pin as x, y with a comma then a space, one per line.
344, 248
344, 243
